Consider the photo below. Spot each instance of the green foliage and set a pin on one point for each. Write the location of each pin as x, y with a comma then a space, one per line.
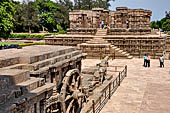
37, 15
166, 25
26, 16
50, 14
21, 44
30, 44
89, 4
154, 25
26, 36
35, 36
163, 24
103, 57
9, 43
6, 17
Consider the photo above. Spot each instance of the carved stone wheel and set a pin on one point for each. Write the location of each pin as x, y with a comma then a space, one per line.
71, 92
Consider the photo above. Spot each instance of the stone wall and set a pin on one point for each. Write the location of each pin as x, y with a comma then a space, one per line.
26, 84
135, 20
136, 45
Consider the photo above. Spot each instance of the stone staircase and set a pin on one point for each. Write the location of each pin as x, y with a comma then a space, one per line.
120, 53
101, 32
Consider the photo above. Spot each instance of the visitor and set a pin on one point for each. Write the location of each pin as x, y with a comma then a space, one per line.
148, 61
161, 59
145, 60
102, 24
98, 24
105, 26
108, 27
127, 24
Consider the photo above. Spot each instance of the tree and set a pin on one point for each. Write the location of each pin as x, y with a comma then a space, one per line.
163, 24
26, 16
154, 25
30, 15
89, 4
166, 25
49, 14
65, 7
6, 17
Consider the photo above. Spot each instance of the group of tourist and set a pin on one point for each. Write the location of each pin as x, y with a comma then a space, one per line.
102, 25
147, 61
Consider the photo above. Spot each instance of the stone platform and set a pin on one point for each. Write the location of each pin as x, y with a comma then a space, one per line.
134, 45
28, 76
145, 90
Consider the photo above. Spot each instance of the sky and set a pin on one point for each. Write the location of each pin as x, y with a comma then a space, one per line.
158, 7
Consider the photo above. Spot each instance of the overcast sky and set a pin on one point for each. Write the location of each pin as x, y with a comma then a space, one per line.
158, 7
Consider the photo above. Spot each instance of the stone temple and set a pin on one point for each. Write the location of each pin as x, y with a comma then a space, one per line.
126, 33
56, 77
136, 20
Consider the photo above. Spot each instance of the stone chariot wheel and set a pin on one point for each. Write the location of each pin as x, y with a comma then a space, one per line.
71, 93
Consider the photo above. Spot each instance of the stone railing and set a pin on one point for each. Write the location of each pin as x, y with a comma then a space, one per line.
95, 106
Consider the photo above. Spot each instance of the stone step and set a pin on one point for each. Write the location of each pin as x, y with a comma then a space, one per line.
120, 53
53, 60
31, 84
130, 57
101, 32
57, 64
127, 54
13, 76
117, 49
46, 55
44, 88
124, 53
114, 47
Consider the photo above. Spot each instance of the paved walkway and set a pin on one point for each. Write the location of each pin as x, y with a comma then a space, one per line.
144, 90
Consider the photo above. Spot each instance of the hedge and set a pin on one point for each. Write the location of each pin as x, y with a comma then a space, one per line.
26, 36
30, 44
38, 36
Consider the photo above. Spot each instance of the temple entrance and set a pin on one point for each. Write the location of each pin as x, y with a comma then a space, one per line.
84, 20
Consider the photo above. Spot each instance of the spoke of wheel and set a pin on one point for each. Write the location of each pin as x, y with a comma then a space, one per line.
68, 97
69, 107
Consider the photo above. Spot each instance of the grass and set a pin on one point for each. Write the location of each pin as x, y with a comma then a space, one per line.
21, 44
9, 43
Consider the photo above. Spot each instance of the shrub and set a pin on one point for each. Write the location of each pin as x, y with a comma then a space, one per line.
26, 36
103, 57
30, 44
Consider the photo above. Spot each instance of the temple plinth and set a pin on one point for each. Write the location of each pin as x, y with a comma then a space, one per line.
123, 32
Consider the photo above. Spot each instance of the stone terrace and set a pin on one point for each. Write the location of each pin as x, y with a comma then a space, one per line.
144, 90
26, 75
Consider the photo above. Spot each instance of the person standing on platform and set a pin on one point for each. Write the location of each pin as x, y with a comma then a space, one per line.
127, 24
148, 61
98, 24
145, 60
102, 24
161, 60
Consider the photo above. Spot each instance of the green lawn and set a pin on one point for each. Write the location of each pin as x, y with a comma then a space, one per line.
9, 43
